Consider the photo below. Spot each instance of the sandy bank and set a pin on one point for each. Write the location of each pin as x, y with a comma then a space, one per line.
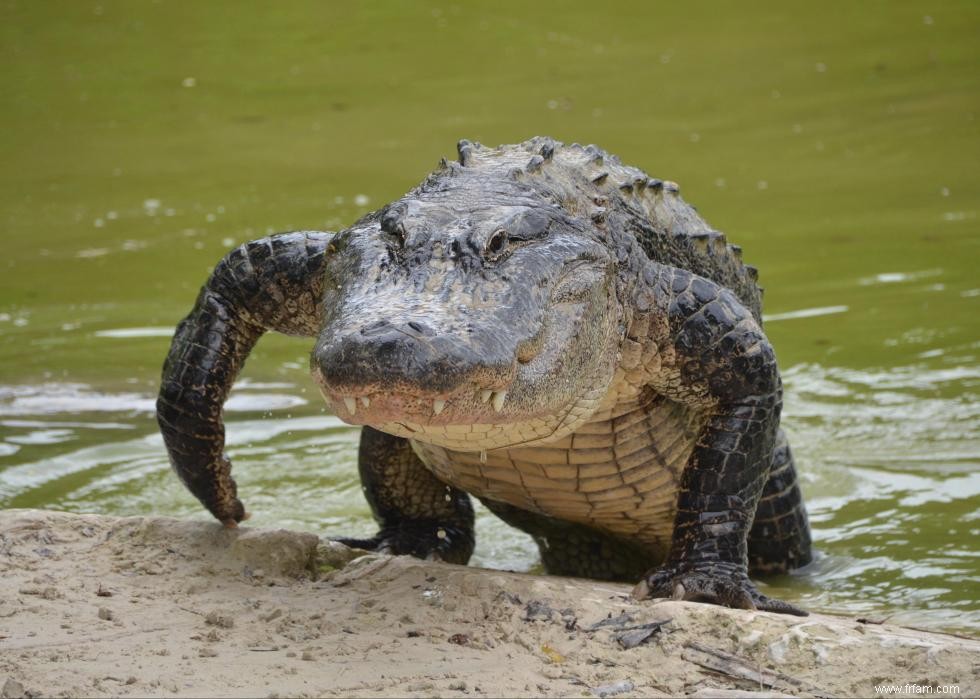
149, 606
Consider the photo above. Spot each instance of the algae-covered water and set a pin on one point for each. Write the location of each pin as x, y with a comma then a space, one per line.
837, 143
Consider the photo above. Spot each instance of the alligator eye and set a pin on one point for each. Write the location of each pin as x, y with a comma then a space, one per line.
497, 243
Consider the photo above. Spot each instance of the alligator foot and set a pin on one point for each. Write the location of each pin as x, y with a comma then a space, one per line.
715, 583
421, 539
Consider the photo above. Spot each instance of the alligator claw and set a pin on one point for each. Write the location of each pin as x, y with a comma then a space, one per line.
424, 540
232, 523
722, 584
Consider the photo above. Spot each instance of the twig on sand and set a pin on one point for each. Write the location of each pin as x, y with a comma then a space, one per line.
733, 666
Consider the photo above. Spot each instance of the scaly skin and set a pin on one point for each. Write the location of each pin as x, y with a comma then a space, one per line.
419, 514
544, 328
269, 284
714, 356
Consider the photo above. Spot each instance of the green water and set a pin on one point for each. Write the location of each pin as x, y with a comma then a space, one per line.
837, 143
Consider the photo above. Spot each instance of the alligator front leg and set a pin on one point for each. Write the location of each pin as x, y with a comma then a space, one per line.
418, 514
713, 355
270, 284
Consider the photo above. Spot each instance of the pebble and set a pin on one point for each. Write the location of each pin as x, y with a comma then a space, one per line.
750, 640
274, 614
611, 690
220, 620
12, 689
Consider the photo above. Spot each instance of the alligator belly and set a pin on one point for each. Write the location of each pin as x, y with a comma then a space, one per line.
619, 474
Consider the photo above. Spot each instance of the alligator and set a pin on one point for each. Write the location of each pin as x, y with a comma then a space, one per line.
544, 328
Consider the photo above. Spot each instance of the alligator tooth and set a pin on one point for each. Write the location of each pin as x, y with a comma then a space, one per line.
485, 396
438, 406
365, 401
498, 400
351, 405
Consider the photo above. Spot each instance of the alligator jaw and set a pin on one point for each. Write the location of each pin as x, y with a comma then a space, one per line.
374, 407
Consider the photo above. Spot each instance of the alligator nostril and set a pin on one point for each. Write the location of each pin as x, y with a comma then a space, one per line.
375, 328
383, 329
420, 328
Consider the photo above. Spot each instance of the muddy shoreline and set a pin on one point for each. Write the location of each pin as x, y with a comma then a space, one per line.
151, 606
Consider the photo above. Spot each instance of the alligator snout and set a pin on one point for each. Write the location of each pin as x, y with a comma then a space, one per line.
411, 358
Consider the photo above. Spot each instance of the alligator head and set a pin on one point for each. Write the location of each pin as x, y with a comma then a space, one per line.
475, 313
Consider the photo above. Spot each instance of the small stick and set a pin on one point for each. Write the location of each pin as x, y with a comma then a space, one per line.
734, 666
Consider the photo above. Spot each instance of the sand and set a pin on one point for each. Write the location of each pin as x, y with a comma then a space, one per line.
150, 606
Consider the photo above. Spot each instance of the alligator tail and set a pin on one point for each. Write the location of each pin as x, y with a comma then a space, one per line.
274, 283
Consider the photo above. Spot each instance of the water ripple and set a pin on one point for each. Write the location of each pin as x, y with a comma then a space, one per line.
889, 461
